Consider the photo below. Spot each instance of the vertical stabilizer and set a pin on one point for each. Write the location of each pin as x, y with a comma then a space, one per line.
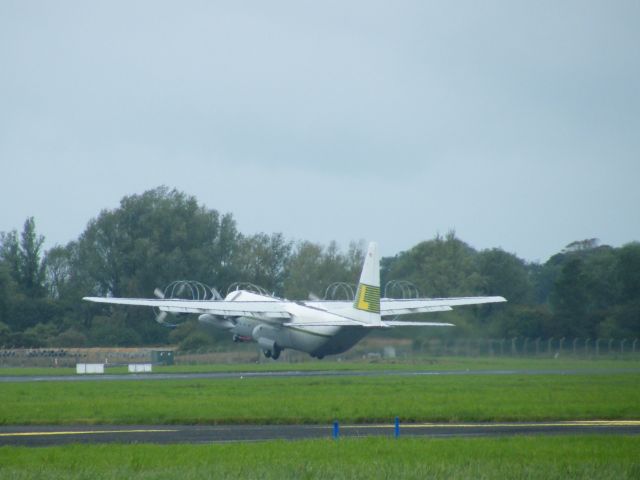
367, 298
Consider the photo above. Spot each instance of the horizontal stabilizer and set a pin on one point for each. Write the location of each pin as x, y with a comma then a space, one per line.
328, 323
417, 324
389, 306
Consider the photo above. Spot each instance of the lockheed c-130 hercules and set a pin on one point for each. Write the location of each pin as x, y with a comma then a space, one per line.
317, 327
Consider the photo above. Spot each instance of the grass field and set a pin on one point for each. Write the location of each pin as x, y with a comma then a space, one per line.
561, 457
323, 399
350, 399
425, 363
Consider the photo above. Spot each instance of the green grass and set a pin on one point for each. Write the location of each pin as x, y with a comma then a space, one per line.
424, 363
323, 399
561, 457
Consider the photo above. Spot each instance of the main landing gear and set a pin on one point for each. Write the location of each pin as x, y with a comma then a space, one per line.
273, 353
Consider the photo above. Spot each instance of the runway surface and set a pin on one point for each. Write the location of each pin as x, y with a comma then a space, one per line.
35, 436
305, 373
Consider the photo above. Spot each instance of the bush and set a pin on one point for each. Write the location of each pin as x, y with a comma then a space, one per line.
70, 338
194, 341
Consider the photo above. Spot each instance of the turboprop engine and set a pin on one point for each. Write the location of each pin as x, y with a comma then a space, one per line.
187, 290
266, 336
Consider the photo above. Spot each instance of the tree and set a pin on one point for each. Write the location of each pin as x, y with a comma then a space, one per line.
261, 259
23, 258
516, 320
569, 301
10, 253
441, 267
628, 271
624, 318
312, 268
31, 264
5, 333
153, 239
8, 293
504, 274
58, 270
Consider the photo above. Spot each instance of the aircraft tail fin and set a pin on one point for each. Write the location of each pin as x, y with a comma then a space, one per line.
367, 300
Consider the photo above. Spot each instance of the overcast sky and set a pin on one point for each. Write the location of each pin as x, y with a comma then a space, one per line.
516, 123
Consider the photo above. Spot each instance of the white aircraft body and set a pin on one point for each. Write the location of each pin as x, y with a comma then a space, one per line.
317, 327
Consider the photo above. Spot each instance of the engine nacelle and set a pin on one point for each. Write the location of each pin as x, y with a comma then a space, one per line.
266, 344
263, 331
265, 337
216, 321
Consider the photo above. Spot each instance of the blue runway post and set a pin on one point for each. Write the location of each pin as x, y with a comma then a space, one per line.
397, 429
336, 430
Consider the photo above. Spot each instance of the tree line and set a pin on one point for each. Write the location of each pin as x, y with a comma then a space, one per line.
152, 239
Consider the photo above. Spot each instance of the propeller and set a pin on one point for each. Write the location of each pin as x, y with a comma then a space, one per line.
185, 290
160, 316
215, 294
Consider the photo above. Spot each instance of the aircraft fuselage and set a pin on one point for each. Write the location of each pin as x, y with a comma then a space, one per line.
273, 336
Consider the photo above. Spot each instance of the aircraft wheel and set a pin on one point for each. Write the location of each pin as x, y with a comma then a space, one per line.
276, 352
267, 353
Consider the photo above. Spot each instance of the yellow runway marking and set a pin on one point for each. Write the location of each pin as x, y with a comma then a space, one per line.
570, 423
80, 432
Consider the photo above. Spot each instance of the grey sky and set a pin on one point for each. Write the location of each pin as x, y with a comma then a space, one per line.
515, 123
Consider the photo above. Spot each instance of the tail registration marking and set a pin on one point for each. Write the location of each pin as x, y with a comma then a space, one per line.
368, 298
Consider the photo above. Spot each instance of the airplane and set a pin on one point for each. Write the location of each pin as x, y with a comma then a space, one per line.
316, 327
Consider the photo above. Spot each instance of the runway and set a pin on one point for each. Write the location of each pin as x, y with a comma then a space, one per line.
305, 373
36, 436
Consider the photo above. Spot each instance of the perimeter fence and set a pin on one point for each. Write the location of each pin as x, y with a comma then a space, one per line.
530, 347
370, 349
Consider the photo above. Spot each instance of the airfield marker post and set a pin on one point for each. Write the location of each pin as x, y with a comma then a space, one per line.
336, 430
397, 427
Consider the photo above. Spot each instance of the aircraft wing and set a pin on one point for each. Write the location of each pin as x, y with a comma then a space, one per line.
392, 307
259, 309
389, 306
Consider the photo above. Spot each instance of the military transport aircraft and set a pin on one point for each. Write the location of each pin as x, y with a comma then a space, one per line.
317, 327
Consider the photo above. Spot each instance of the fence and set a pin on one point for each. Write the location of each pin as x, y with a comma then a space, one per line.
370, 349
530, 347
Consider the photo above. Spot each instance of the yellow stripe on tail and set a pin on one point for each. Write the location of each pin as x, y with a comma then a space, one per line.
368, 298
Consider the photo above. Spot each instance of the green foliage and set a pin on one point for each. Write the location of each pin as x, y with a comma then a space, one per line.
312, 268
5, 333
261, 259
153, 239
504, 274
112, 331
195, 341
70, 338
163, 235
23, 258
8, 292
628, 272
440, 267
